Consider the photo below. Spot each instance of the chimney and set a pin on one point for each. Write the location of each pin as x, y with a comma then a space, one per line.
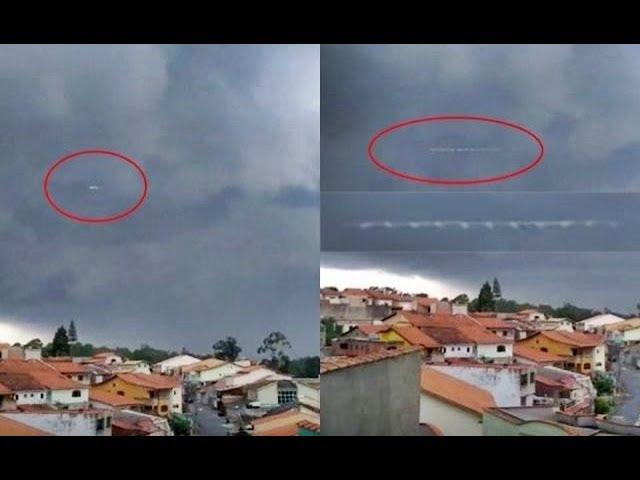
459, 308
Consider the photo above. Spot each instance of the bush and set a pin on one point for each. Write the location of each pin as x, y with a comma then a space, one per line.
603, 384
603, 405
180, 425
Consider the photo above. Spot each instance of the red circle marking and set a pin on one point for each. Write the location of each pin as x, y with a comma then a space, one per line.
453, 181
109, 219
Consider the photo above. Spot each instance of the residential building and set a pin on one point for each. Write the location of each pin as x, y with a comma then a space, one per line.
160, 394
531, 314
597, 321
34, 382
510, 385
7, 351
625, 332
106, 400
582, 352
569, 391
132, 366
77, 372
388, 383
454, 406
285, 424
107, 358
128, 423
209, 370
532, 356
174, 364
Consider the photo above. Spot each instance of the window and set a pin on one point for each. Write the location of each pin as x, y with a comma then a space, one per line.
176, 406
287, 396
42, 395
108, 422
599, 364
523, 379
587, 366
120, 392
99, 424
501, 348
76, 393
164, 408
344, 345
175, 392
152, 394
31, 395
574, 351
468, 349
544, 349
532, 377
80, 378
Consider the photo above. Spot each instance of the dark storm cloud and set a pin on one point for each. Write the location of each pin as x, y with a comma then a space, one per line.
226, 243
607, 279
582, 100
480, 221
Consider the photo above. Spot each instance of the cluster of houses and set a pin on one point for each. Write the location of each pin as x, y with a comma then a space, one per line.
107, 395
431, 367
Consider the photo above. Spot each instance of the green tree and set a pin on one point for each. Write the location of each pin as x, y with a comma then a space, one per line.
462, 299
603, 405
73, 334
180, 425
497, 291
305, 367
60, 344
332, 330
227, 349
603, 383
486, 302
35, 343
274, 346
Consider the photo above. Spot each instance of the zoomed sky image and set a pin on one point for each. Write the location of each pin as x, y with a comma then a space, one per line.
581, 100
226, 243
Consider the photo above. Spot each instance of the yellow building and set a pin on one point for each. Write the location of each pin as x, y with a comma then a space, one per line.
582, 352
159, 394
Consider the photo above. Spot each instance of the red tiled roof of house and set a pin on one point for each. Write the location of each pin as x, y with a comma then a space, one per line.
13, 428
426, 301
575, 339
355, 292
372, 329
482, 336
415, 336
330, 364
550, 382
68, 367
43, 373
151, 381
492, 322
455, 392
534, 355
111, 399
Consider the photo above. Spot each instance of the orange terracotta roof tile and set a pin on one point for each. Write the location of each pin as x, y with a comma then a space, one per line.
68, 367
13, 428
203, 365
492, 322
534, 355
372, 329
575, 339
455, 391
151, 381
330, 364
415, 336
43, 373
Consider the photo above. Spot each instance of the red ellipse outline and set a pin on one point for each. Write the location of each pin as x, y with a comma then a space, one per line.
447, 181
109, 219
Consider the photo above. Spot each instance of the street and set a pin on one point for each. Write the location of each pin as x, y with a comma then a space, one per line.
208, 423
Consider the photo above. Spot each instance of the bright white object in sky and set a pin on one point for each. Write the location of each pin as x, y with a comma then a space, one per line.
94, 187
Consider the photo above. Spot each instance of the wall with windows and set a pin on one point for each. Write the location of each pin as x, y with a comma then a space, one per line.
76, 397
34, 397
497, 351
459, 351
511, 386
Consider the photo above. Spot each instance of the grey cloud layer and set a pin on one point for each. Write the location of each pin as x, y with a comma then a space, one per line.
229, 139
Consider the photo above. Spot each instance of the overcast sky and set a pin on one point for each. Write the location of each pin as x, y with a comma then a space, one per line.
591, 280
582, 100
227, 241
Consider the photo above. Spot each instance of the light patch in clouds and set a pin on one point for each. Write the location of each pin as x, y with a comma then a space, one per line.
14, 330
365, 278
